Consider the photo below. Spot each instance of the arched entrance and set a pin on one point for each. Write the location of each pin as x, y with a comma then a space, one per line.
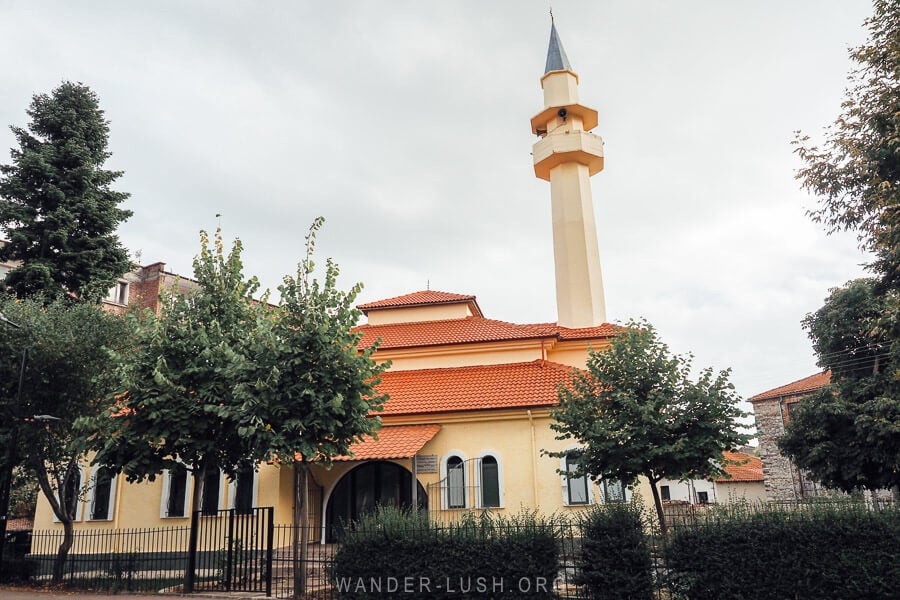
364, 487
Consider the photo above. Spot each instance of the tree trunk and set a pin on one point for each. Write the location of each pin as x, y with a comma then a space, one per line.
301, 527
61, 509
62, 553
199, 477
663, 529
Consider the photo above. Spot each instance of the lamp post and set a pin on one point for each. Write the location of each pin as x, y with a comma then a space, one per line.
11, 450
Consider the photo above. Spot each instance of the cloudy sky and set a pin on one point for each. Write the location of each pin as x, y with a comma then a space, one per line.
406, 125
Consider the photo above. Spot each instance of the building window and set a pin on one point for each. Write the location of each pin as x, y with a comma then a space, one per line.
118, 294
211, 498
456, 482
175, 492
665, 492
102, 499
577, 488
791, 411
703, 497
242, 491
613, 491
73, 493
491, 488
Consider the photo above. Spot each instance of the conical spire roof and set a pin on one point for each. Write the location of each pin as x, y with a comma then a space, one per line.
556, 54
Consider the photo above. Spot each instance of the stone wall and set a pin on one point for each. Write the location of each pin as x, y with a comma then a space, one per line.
783, 480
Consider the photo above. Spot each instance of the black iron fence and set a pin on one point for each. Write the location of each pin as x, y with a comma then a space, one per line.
124, 559
231, 551
248, 552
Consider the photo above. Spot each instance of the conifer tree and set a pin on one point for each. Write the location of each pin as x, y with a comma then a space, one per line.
56, 204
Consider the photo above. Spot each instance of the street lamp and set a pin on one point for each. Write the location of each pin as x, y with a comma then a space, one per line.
7, 472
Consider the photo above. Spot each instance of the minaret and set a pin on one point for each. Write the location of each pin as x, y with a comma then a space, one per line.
566, 156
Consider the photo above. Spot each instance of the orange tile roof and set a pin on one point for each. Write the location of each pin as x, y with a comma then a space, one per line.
470, 330
581, 333
483, 387
801, 386
749, 467
394, 441
422, 298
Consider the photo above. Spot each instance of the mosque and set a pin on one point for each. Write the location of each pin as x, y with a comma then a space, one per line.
468, 417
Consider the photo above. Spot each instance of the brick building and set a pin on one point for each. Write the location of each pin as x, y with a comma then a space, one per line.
140, 286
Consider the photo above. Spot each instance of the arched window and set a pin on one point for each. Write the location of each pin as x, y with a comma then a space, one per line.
456, 482
102, 487
490, 481
73, 494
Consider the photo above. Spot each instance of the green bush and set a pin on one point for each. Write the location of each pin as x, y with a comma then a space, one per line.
822, 551
397, 554
615, 561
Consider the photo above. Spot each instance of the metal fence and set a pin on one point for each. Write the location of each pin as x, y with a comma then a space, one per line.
158, 559
125, 559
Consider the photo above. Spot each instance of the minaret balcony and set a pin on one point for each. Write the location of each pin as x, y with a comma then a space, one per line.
541, 121
574, 146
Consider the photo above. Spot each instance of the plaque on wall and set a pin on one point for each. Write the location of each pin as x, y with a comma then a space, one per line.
426, 463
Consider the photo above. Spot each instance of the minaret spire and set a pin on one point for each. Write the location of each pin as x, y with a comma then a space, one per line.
567, 155
556, 54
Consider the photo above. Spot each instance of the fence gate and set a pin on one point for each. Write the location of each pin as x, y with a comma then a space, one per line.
231, 550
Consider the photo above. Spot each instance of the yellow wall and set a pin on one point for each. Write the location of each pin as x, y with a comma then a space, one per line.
463, 355
414, 314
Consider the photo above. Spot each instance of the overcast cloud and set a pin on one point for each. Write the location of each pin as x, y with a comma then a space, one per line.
406, 125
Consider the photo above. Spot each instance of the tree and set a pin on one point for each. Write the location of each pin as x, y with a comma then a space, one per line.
56, 204
66, 377
636, 412
176, 403
857, 172
312, 393
846, 435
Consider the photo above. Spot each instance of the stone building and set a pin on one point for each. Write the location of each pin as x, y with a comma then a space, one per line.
772, 409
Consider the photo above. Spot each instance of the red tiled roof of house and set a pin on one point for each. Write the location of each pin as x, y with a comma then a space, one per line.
470, 330
807, 384
422, 298
482, 387
394, 441
747, 467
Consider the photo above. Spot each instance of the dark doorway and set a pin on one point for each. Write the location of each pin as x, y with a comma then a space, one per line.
369, 485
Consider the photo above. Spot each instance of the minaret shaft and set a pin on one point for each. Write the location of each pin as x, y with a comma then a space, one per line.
579, 282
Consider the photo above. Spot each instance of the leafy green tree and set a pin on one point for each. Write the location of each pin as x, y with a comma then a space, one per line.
636, 412
312, 393
176, 401
56, 204
66, 377
847, 434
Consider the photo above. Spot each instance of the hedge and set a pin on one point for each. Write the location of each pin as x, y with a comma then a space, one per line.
827, 551
616, 563
393, 553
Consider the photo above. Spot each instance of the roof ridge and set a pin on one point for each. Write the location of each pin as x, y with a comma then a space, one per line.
768, 392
